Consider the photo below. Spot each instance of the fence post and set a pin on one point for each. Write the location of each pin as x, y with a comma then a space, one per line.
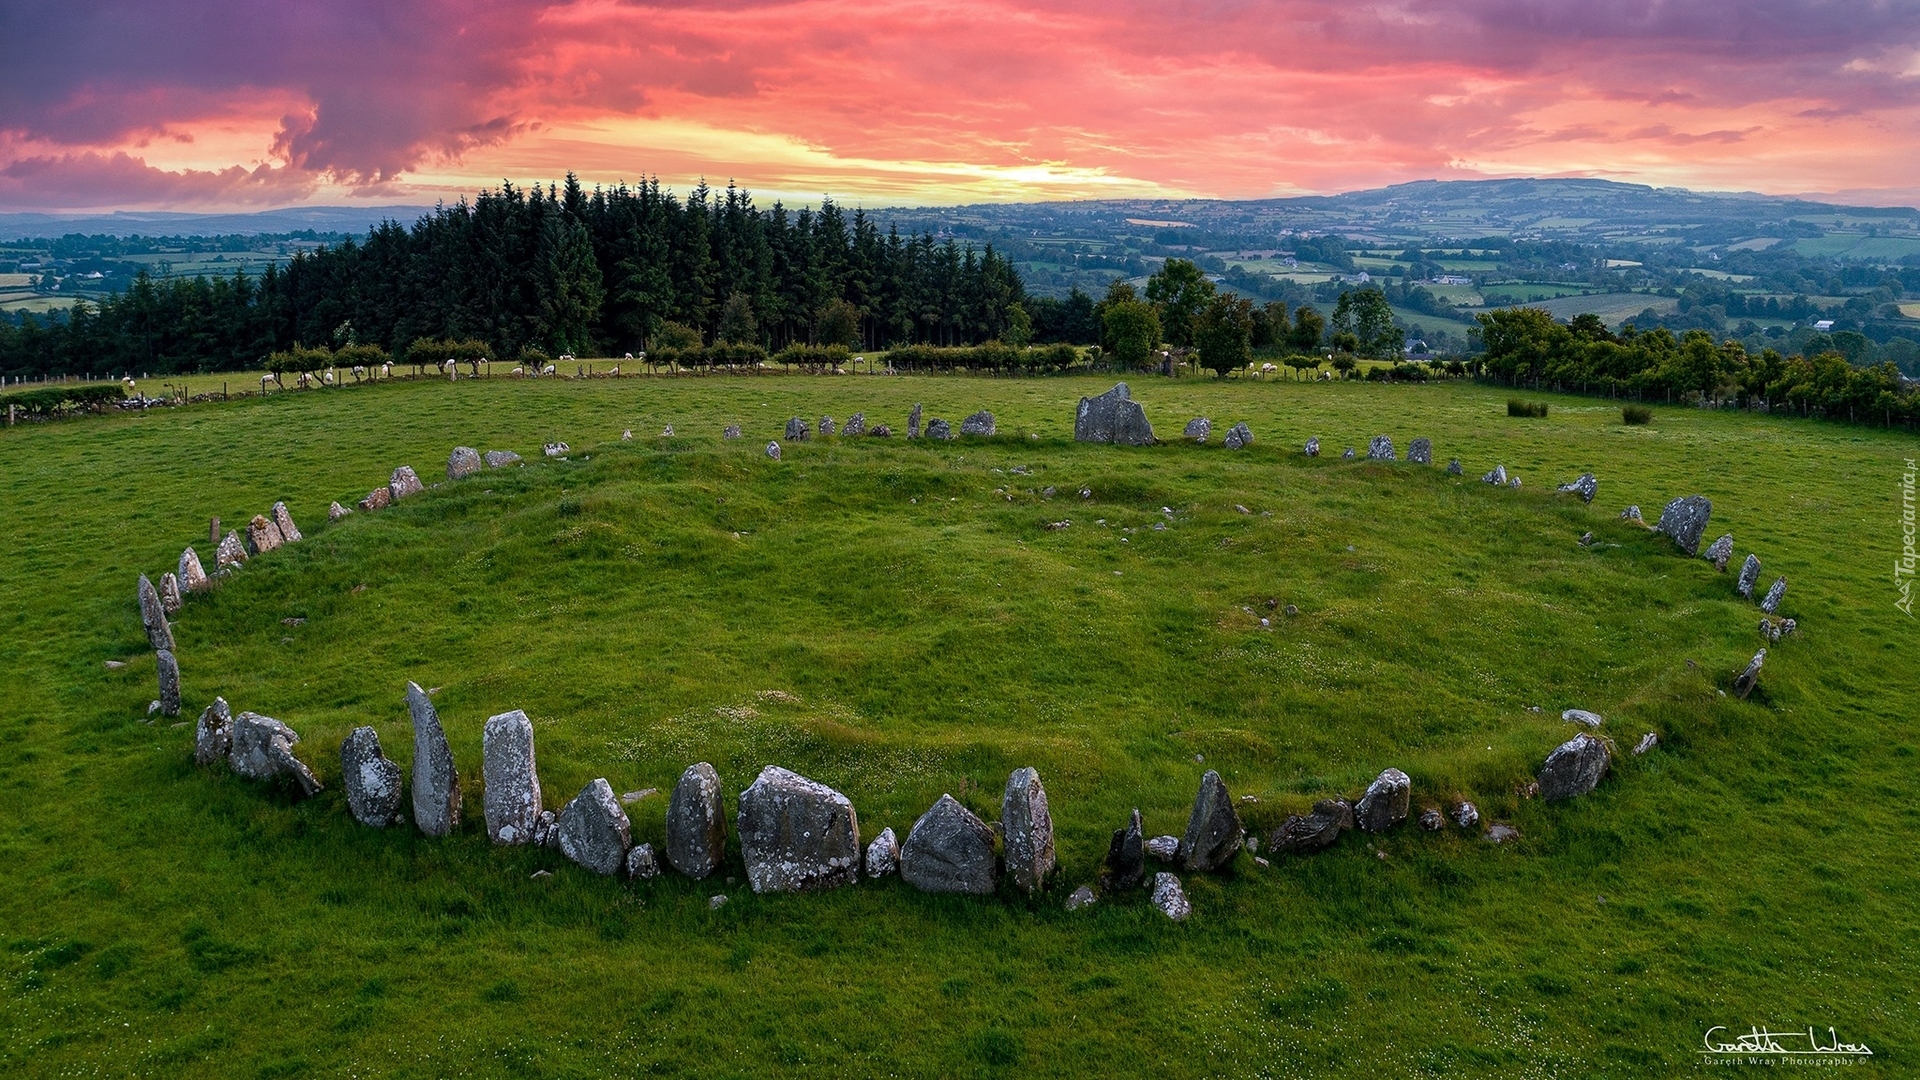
10, 409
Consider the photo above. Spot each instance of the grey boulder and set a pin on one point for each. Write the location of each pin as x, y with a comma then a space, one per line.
263, 749
1720, 552
856, 424
773, 451
883, 855
168, 671
1749, 576
1684, 520
1113, 417
371, 781
1170, 898
463, 462
939, 430
826, 425
1380, 448
283, 521
1582, 716
949, 850
1126, 863
1027, 825
980, 423
1313, 447
1775, 593
1164, 848
1420, 452
1081, 897
1385, 803
404, 482
731, 431
797, 834
1454, 469
512, 778
696, 823
1239, 436
1584, 486
436, 783
1213, 827
153, 616
1498, 477
1574, 768
593, 829
213, 735
1198, 429
797, 429
642, 863
231, 552
1466, 815
500, 459
1303, 834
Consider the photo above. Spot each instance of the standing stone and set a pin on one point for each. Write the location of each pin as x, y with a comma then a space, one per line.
1749, 576
168, 670
1380, 448
377, 499
1126, 864
436, 783
404, 482
594, 831
1164, 848
1113, 417
513, 781
213, 735
1454, 469
913, 422
1303, 834
213, 530
262, 749
153, 615
1632, 513
883, 855
1313, 447
1775, 594
826, 425
170, 599
282, 520
696, 823
1385, 803
1466, 815
1347, 454
335, 511
1239, 436
262, 535
463, 462
1750, 678
773, 450
1498, 477
372, 782
1027, 826
949, 850
642, 863
856, 424
1574, 768
797, 834
1420, 452
1584, 486
1081, 897
980, 423
797, 429
939, 430
1720, 552
500, 459
1170, 898
231, 554
1213, 827
1432, 820
731, 431
193, 576
1684, 519
1198, 429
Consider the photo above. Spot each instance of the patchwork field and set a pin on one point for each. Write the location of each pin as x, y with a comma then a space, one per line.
898, 620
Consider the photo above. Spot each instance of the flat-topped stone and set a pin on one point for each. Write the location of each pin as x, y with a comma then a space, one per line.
696, 822
1380, 448
1198, 429
262, 535
797, 834
1684, 520
463, 462
980, 423
512, 796
500, 459
939, 430
1420, 452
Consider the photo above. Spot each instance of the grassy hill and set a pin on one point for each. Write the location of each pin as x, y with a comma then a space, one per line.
897, 620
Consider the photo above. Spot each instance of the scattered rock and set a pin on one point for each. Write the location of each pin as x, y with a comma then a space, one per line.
796, 834
826, 425
115, 665
1513, 481
980, 423
213, 735
1213, 827
193, 577
642, 864
1292, 611
883, 855
1632, 513
594, 831
1239, 436
1313, 447
1582, 716
625, 436
1574, 768
1775, 593
512, 795
1646, 743
1466, 815
1432, 820
335, 511
1164, 848
1498, 477
1420, 452
1198, 429
463, 462
170, 599
1684, 519
716, 902
1498, 833
377, 499
1302, 834
1126, 864
1026, 824
881, 431
939, 430
913, 422
1774, 631
168, 670
1749, 576
1385, 803
282, 520
1113, 417
856, 425
262, 749
1585, 486
540, 875
1380, 448
1720, 552
731, 431
404, 483
500, 459
1454, 469
949, 850
696, 823
773, 450
628, 798
371, 781
1586, 539
1748, 679
1170, 898
153, 616
543, 834
436, 783
1081, 897
1239, 509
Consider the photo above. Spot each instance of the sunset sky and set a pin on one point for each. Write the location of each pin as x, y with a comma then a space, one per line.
235, 105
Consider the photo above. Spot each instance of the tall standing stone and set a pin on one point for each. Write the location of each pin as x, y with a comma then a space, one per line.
1126, 863
513, 780
283, 521
463, 462
436, 783
1198, 429
1386, 802
594, 830
372, 782
696, 823
1775, 594
404, 482
213, 735
1720, 552
262, 749
1574, 768
980, 423
797, 429
1744, 683
1026, 824
826, 425
1684, 520
262, 535
797, 834
1749, 576
1113, 417
856, 424
1213, 828
949, 850
168, 670
913, 422
153, 616
1238, 437
193, 576
1420, 452
170, 598
1380, 448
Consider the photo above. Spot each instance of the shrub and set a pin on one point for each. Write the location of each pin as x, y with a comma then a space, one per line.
369, 356
432, 352
1636, 414
1517, 407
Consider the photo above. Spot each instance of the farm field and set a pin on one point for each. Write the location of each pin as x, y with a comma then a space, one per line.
897, 619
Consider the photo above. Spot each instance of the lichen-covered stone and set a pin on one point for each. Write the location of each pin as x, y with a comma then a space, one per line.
335, 511
1454, 469
436, 783
512, 778
1466, 815
283, 520
1380, 448
1582, 716
193, 576
1744, 683
1386, 802
377, 499
262, 749
980, 423
1584, 486
696, 823
463, 462
797, 834
1684, 520
1720, 552
883, 855
213, 735
500, 459
1420, 452
939, 430
404, 482
167, 669
1026, 825
231, 554
170, 599
593, 830
1574, 768
1313, 447
949, 850
1198, 429
153, 616
731, 431
773, 450
1749, 576
262, 535
373, 783
1113, 417
1238, 437
1303, 834
1498, 477
1775, 593
856, 424
642, 863
1213, 827
1170, 898
798, 430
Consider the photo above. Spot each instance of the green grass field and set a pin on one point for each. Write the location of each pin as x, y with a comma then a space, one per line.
897, 620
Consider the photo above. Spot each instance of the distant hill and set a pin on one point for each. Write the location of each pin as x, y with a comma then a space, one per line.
320, 219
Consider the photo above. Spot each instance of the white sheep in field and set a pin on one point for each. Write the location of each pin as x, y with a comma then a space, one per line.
518, 372
615, 373
1267, 369
548, 370
359, 373
386, 370
629, 356
264, 380
328, 377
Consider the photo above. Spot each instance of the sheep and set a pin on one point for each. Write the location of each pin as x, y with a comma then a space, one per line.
1267, 369
328, 377
386, 370
518, 372
548, 370
264, 380
359, 373
615, 373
